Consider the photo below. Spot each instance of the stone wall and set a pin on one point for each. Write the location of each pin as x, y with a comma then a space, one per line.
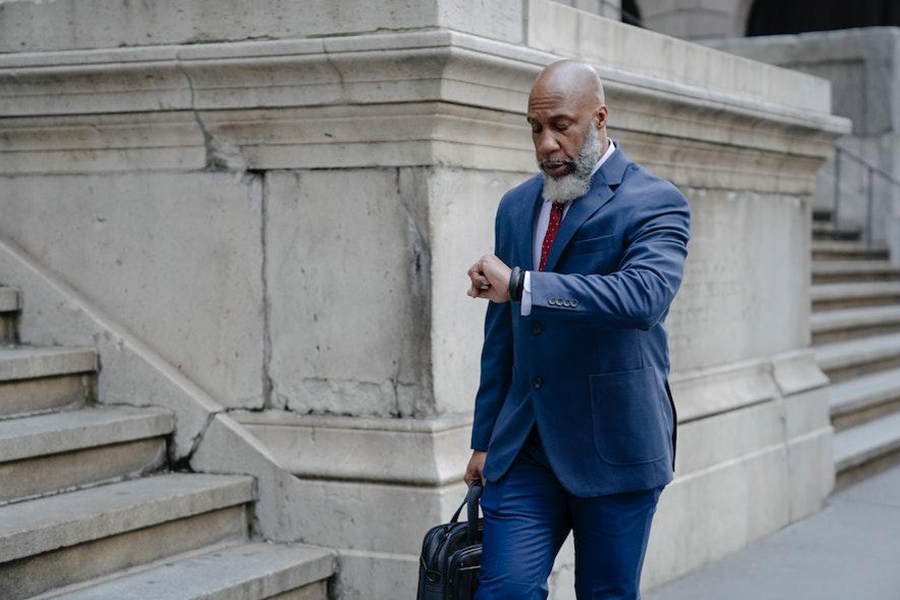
862, 66
286, 224
696, 19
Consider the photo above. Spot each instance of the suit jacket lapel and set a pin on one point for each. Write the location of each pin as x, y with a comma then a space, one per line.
603, 188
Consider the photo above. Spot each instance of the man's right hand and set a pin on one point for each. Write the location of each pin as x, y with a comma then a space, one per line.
475, 467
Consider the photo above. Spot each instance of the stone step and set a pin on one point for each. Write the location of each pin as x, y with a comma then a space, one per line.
10, 305
865, 449
850, 323
862, 399
57, 451
847, 250
248, 571
35, 379
825, 230
852, 358
829, 296
67, 538
838, 271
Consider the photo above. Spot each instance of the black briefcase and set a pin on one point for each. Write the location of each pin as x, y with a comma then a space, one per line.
451, 555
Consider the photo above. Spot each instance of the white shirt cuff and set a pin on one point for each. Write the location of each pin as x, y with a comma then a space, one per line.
526, 295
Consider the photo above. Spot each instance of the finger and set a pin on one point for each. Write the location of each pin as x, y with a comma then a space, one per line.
476, 274
477, 292
479, 279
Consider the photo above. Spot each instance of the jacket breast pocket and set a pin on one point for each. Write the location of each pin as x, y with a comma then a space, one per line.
628, 424
594, 244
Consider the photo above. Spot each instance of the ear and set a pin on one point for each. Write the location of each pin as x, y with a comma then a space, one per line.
601, 115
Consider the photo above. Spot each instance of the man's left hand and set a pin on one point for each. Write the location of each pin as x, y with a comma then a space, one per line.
490, 279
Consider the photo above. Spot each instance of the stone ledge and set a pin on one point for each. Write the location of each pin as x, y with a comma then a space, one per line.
426, 98
377, 450
773, 156
437, 65
864, 44
708, 391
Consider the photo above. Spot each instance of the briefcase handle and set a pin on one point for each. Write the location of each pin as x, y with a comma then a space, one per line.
471, 502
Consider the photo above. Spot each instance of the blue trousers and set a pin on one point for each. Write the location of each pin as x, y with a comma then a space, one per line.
527, 517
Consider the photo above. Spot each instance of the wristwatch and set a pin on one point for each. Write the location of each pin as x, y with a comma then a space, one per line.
516, 283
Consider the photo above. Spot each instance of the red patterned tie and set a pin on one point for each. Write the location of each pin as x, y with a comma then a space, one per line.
555, 217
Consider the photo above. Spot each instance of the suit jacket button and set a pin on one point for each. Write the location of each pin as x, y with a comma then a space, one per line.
574, 301
536, 329
567, 302
538, 382
551, 301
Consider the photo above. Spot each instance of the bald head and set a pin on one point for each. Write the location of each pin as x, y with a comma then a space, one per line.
567, 113
572, 78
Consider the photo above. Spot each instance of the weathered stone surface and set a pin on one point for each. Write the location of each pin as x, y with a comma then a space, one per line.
64, 472
29, 528
113, 23
696, 19
862, 66
348, 277
243, 572
24, 362
78, 429
354, 448
462, 205
747, 254
177, 258
562, 30
131, 369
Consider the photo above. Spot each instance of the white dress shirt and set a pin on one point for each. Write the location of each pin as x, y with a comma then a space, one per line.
540, 230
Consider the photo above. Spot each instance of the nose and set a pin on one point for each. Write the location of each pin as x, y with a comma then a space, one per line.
545, 144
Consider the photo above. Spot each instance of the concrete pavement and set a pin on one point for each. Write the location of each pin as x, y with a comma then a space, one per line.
849, 550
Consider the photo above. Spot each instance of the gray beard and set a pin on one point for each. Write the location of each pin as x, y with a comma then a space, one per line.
578, 182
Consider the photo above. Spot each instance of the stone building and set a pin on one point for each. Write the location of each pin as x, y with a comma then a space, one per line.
239, 355
855, 288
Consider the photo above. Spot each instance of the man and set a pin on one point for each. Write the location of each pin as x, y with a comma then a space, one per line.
574, 422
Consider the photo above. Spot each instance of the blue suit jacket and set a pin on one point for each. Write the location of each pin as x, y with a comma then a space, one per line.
590, 363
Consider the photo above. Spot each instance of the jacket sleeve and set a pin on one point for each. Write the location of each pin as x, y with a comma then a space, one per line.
638, 294
496, 364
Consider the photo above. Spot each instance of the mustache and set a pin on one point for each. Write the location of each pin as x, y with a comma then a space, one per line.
556, 162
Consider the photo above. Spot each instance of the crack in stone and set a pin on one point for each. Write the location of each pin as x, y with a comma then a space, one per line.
267, 382
219, 154
185, 461
420, 291
330, 62
395, 382
375, 31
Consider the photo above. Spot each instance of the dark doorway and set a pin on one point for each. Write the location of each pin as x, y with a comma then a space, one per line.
630, 13
772, 17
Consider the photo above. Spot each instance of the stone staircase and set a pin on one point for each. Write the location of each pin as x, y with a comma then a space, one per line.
89, 510
855, 327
